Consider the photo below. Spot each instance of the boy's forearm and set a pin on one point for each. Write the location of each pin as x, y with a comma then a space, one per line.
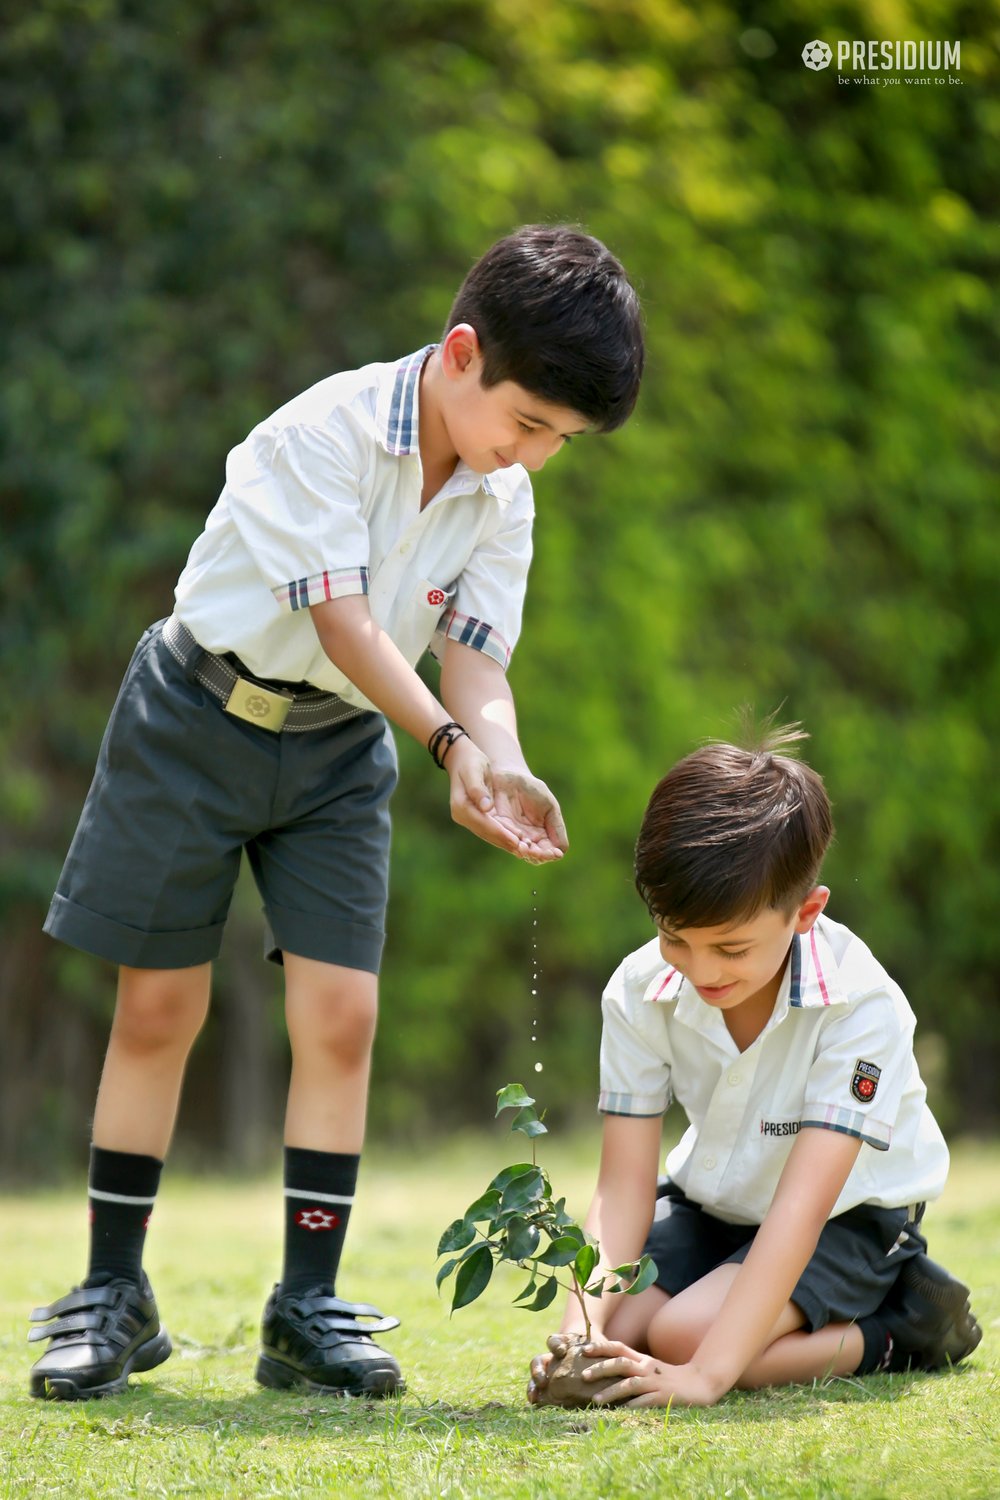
369, 657
475, 692
621, 1210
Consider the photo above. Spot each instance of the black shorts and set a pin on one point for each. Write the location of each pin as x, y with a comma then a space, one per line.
857, 1258
182, 789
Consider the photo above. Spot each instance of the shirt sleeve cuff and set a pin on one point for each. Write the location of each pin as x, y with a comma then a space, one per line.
332, 583
849, 1122
611, 1102
481, 636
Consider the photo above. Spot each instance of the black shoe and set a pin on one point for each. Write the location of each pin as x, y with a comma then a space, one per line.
101, 1334
318, 1343
929, 1317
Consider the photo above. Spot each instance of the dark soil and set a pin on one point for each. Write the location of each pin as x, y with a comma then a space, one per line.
565, 1385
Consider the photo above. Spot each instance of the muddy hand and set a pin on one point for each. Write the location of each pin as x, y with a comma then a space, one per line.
558, 1344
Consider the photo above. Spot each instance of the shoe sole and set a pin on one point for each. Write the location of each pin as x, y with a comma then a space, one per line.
277, 1376
65, 1388
962, 1334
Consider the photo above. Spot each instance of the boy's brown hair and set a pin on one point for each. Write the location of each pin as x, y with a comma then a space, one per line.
730, 832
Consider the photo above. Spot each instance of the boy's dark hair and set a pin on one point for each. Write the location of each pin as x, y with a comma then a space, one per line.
555, 312
730, 832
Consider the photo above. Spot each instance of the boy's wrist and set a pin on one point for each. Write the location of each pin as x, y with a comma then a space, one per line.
442, 740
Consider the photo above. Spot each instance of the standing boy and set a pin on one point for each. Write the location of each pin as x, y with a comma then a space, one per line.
383, 508
786, 1242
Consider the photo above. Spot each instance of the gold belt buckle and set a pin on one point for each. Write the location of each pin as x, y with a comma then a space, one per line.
258, 705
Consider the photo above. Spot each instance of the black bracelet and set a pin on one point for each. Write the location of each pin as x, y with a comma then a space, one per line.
442, 740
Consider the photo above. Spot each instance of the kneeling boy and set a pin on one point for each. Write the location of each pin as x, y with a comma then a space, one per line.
786, 1234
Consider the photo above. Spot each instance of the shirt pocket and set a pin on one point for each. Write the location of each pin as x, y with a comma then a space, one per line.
412, 617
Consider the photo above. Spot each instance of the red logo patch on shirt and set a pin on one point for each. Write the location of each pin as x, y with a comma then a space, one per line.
316, 1218
435, 596
865, 1081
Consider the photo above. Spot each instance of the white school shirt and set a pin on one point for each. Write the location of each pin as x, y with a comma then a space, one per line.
322, 500
837, 1053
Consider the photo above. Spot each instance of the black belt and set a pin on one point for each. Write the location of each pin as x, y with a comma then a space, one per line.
246, 698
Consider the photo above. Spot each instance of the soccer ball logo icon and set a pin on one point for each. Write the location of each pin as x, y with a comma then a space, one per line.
816, 55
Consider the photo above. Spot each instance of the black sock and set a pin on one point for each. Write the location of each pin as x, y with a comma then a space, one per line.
319, 1191
122, 1192
883, 1354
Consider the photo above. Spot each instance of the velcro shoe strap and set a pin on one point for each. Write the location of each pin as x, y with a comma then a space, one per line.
77, 1323
354, 1325
77, 1300
349, 1315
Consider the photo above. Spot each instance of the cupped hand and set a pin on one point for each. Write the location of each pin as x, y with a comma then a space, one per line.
511, 810
471, 795
646, 1381
525, 806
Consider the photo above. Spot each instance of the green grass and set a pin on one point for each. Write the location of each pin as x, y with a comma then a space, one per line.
200, 1425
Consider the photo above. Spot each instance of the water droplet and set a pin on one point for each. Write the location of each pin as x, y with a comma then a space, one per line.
538, 1067
534, 1038
534, 992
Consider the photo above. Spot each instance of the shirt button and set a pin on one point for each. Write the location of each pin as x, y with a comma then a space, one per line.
708, 1162
734, 1080
404, 549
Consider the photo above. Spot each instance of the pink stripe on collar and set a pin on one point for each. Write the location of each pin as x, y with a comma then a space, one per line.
666, 980
818, 967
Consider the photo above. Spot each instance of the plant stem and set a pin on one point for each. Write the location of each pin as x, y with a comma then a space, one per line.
578, 1293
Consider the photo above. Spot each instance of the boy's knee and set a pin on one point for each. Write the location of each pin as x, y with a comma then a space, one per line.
337, 1017
156, 1009
675, 1334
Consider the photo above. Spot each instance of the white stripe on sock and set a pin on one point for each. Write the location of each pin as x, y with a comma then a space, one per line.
117, 1197
317, 1197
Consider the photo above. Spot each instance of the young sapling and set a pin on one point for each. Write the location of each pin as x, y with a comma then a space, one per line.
517, 1220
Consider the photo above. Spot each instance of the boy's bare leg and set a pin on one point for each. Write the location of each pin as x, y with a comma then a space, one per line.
331, 1013
632, 1316
158, 1014
801, 1357
109, 1326
791, 1356
309, 1337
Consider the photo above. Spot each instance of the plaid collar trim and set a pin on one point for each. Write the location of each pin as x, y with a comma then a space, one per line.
810, 978
397, 426
398, 405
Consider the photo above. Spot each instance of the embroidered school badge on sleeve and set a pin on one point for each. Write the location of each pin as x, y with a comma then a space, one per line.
865, 1081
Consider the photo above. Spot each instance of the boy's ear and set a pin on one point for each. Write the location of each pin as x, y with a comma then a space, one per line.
811, 907
460, 350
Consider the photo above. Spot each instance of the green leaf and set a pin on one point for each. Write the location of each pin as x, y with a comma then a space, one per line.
528, 1290
546, 1293
445, 1271
514, 1096
522, 1240
561, 1252
645, 1277
508, 1174
456, 1237
521, 1191
584, 1263
634, 1276
484, 1207
528, 1123
473, 1277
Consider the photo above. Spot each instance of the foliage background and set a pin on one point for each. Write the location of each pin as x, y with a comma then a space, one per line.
209, 206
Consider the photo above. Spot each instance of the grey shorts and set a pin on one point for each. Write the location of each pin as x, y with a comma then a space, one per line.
182, 788
856, 1261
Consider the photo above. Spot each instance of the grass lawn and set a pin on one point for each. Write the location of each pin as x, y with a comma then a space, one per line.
201, 1426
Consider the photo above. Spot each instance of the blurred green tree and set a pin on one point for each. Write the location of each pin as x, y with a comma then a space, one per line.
211, 207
